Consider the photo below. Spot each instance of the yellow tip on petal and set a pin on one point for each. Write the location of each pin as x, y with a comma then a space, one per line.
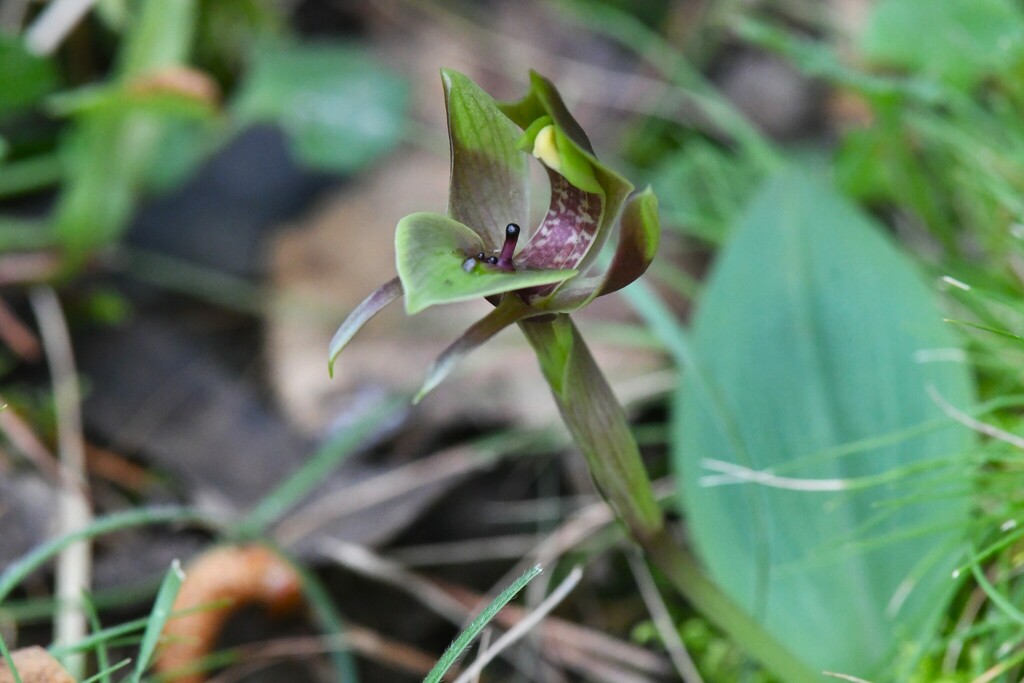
545, 149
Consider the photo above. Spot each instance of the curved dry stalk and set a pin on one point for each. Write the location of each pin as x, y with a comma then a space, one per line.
74, 564
663, 620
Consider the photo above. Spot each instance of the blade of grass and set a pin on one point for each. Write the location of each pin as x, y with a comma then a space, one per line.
30, 175
17, 571
104, 673
985, 328
316, 469
460, 644
10, 660
524, 626
157, 618
998, 599
110, 636
35, 610
102, 656
330, 622
116, 636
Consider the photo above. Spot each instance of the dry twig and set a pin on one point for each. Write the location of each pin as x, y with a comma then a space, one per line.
73, 573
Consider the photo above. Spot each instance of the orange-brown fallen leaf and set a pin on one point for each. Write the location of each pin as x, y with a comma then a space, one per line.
34, 665
178, 80
236, 575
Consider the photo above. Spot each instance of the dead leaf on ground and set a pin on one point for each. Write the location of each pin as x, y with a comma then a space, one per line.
34, 665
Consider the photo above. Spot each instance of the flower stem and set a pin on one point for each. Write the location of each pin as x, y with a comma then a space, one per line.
597, 422
599, 426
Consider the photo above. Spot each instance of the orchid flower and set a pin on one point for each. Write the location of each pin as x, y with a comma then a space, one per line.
479, 250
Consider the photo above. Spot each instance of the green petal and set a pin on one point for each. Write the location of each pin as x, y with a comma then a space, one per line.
432, 253
544, 100
490, 174
638, 242
639, 235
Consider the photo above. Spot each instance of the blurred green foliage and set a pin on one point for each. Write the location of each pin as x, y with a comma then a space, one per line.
959, 42
25, 78
339, 108
187, 76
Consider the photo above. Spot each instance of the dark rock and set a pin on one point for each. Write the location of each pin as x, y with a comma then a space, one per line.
28, 506
221, 217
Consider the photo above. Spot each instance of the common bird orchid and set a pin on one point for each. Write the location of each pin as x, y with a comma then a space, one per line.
478, 250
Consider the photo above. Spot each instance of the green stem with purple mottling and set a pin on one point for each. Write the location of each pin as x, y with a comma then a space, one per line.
597, 422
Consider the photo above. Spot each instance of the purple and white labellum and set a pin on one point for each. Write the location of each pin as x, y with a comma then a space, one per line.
568, 229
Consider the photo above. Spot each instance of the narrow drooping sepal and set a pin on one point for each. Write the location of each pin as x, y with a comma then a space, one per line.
436, 262
489, 173
596, 421
370, 306
512, 309
639, 235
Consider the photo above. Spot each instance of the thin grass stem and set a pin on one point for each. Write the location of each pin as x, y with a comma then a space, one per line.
455, 650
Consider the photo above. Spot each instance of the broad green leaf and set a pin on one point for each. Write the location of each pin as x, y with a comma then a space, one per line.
811, 344
340, 109
432, 253
490, 176
24, 77
958, 41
